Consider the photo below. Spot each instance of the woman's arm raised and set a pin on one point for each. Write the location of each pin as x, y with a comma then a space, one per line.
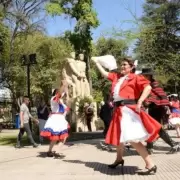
100, 68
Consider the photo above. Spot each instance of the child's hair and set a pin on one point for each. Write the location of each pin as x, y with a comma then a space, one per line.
54, 92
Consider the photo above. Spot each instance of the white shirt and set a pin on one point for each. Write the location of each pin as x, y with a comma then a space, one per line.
55, 105
117, 87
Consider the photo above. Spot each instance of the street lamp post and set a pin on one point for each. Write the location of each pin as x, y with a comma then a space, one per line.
28, 60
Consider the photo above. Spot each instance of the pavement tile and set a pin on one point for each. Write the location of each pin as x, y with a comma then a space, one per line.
84, 161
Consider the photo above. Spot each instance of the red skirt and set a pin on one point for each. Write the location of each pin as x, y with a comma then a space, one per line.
146, 124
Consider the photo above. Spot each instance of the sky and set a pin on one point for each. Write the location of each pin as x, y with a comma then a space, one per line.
111, 14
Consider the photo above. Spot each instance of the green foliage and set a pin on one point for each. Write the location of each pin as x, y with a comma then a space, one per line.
115, 47
81, 103
46, 74
101, 87
51, 54
98, 95
159, 42
86, 19
85, 16
4, 38
54, 9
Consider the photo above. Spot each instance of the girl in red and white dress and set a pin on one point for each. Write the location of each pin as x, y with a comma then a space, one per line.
130, 124
56, 127
174, 118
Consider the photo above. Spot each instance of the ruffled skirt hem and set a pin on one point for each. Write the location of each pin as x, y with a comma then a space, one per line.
129, 126
54, 136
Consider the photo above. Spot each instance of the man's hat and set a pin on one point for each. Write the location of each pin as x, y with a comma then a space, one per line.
147, 71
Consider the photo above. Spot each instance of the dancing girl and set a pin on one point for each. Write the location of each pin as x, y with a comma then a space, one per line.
56, 127
130, 124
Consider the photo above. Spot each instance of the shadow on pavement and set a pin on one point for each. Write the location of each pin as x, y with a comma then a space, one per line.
56, 155
103, 168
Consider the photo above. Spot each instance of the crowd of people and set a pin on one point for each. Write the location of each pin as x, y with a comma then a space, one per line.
133, 113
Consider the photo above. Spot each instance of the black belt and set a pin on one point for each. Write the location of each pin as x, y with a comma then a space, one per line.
125, 102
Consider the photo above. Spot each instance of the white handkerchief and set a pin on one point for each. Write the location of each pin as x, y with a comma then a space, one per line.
107, 61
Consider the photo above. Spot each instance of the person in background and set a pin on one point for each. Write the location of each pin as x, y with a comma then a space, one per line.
174, 103
106, 116
24, 119
43, 114
174, 118
156, 103
89, 113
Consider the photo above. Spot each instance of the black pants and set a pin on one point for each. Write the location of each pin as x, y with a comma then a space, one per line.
157, 112
88, 121
106, 127
26, 129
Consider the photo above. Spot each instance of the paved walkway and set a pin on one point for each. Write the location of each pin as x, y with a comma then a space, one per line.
83, 161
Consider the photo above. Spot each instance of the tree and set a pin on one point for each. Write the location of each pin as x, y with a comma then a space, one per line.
5, 4
46, 74
159, 42
4, 38
86, 19
115, 47
20, 18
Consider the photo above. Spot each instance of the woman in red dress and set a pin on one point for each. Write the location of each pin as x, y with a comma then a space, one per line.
130, 124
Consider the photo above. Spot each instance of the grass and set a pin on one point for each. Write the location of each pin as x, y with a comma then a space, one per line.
10, 140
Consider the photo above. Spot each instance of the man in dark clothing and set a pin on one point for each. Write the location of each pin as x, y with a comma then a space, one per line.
43, 114
89, 113
157, 103
106, 116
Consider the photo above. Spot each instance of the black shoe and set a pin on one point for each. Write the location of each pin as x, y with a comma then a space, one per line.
59, 156
127, 147
35, 145
174, 149
50, 154
109, 149
116, 163
102, 144
148, 171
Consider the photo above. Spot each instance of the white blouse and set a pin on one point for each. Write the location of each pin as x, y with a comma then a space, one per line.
54, 105
117, 87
